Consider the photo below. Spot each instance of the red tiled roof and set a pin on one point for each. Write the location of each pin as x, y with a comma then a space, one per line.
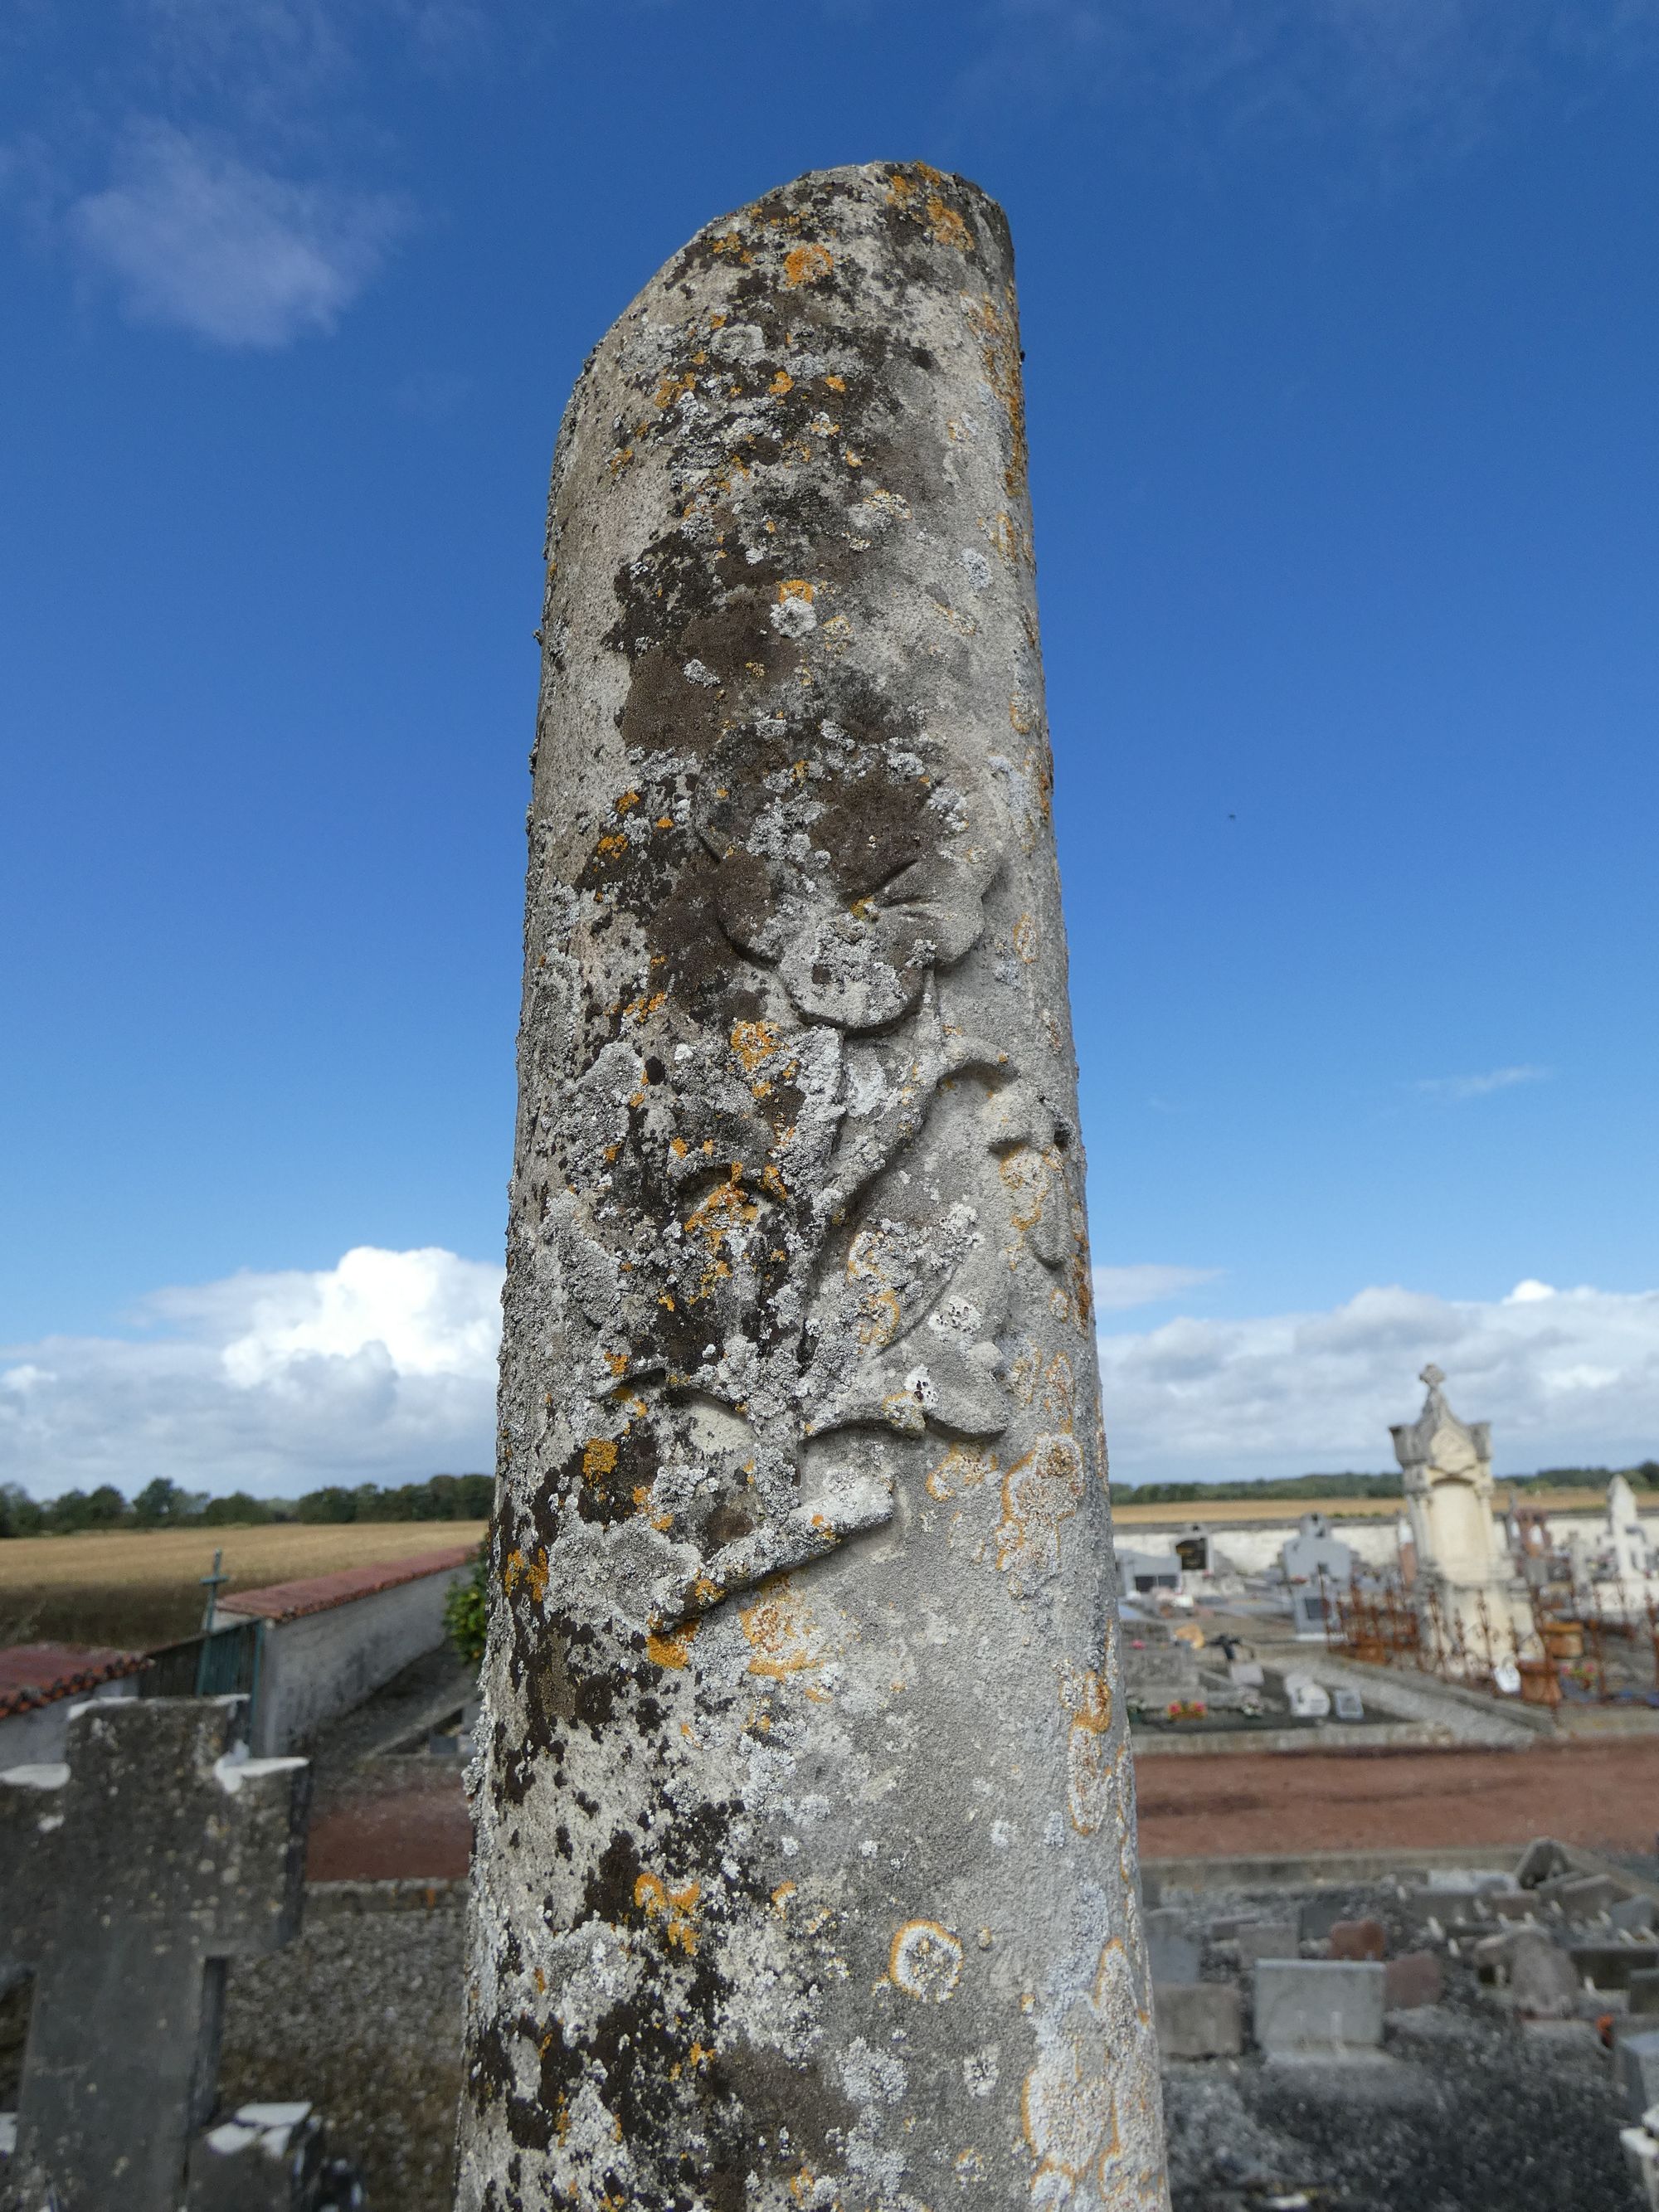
40, 1674
318, 1592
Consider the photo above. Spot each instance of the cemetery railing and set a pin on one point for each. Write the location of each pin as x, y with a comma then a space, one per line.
219, 1662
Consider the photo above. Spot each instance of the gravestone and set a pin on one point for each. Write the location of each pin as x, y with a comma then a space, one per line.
132, 1874
805, 1839
1309, 2009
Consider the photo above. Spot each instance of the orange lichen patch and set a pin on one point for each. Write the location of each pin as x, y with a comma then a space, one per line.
946, 227
836, 383
1022, 715
1025, 938
901, 189
753, 1042
1092, 1762
672, 388
964, 1467
925, 1961
673, 1650
629, 798
780, 383
1025, 1177
782, 1895
797, 588
521, 1573
806, 264
998, 332
674, 1904
616, 1362
726, 1207
611, 843
598, 1458
783, 1637
679, 1146
1039, 1492
1066, 2114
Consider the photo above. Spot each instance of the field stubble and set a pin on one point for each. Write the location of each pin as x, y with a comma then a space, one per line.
136, 1589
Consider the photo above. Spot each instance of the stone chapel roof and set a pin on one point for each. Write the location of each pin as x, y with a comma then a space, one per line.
319, 1592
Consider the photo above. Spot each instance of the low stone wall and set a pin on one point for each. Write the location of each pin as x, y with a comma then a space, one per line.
362, 2015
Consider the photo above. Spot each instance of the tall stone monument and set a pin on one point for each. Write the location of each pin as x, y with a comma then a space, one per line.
1462, 1560
806, 1859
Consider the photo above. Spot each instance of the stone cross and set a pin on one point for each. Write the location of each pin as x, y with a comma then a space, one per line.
805, 1850
130, 1875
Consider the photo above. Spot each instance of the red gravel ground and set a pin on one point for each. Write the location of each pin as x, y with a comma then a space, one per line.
1601, 1794
423, 1831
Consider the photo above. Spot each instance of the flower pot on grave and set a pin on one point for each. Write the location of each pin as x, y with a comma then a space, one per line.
1563, 1639
1540, 1683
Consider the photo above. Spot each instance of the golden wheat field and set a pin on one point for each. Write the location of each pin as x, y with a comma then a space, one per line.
134, 1588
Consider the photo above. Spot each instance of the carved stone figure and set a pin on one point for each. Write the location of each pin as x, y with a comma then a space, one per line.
1462, 1560
805, 1868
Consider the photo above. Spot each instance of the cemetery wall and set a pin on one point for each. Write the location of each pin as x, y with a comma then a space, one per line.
331, 1643
1254, 1547
34, 1737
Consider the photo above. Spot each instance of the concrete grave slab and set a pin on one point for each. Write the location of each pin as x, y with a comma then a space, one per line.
1636, 2057
1267, 1939
1318, 2008
1198, 2019
1610, 1966
1172, 1948
1414, 1979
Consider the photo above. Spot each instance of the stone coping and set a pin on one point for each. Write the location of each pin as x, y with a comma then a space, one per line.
319, 1593
33, 1674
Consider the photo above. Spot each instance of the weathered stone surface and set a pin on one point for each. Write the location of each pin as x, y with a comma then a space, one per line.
806, 1846
131, 1875
1199, 2020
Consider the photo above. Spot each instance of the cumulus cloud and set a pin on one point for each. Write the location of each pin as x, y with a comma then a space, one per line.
1458, 1088
381, 1369
1565, 1377
196, 240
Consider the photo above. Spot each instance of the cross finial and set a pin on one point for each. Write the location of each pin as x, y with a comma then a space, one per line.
1431, 1375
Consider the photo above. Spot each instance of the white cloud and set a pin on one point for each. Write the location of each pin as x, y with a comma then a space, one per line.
381, 1369
1146, 1284
1565, 1377
196, 239
1457, 1088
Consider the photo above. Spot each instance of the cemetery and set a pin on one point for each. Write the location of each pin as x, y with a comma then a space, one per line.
783, 1853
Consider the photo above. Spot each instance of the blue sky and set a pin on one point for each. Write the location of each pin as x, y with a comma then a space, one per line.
1341, 319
